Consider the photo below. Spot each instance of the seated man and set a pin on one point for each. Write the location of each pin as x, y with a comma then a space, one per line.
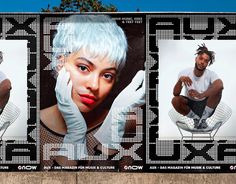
203, 89
5, 87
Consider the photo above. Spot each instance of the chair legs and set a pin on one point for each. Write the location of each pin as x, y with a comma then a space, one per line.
199, 135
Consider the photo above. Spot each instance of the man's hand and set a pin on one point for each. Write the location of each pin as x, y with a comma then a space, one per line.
195, 94
186, 80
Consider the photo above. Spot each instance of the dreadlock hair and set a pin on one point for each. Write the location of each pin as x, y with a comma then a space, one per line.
202, 49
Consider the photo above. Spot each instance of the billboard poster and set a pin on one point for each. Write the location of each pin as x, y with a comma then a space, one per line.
181, 135
118, 92
19, 47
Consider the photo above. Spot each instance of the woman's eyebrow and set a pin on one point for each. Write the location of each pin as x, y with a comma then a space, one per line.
91, 63
86, 60
111, 68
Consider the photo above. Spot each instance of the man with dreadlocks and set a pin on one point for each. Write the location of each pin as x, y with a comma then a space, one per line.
203, 89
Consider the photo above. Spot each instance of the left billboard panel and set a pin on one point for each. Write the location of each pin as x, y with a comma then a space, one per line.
19, 48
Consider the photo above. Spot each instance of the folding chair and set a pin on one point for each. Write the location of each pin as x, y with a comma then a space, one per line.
220, 116
10, 113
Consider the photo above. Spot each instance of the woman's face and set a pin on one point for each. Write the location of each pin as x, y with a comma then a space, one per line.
92, 79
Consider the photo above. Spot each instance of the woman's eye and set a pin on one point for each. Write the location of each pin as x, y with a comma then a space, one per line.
108, 76
83, 68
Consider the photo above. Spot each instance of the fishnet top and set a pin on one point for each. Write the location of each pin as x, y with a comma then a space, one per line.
49, 136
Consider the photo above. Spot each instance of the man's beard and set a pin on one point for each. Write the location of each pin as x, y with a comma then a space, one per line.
199, 69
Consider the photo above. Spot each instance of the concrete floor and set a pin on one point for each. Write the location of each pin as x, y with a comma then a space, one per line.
114, 178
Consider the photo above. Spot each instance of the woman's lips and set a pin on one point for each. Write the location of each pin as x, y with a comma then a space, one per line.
87, 99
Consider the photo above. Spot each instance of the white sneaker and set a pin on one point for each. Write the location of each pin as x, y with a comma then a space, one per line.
202, 124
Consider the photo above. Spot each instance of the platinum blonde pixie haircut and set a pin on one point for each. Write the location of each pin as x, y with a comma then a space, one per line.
98, 35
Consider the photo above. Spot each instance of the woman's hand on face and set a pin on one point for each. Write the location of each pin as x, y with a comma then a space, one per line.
112, 130
75, 122
134, 94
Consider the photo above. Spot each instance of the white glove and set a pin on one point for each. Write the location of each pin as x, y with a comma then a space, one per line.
112, 130
76, 125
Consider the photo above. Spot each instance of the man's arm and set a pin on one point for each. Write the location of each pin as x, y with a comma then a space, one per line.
5, 88
183, 80
178, 88
213, 89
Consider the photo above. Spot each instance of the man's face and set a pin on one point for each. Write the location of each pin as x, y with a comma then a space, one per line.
92, 79
202, 61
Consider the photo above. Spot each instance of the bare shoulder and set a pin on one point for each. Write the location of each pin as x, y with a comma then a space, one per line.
45, 115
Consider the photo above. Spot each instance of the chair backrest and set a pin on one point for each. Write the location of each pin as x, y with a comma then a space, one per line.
181, 121
9, 114
221, 114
